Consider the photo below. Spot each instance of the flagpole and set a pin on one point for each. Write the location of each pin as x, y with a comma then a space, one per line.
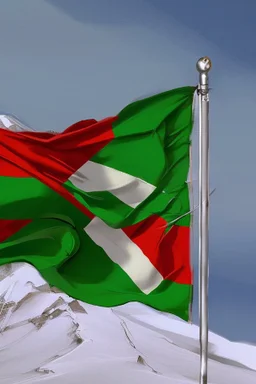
203, 67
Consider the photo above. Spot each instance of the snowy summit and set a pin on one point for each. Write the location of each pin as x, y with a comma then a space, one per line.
49, 337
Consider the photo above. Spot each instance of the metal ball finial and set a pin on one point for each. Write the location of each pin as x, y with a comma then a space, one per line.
204, 65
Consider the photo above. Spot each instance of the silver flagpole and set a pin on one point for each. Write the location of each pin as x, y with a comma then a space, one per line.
203, 67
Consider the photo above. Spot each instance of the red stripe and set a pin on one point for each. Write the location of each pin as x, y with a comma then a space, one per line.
56, 157
7, 169
52, 159
10, 227
169, 252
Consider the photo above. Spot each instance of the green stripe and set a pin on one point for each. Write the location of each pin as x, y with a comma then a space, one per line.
177, 211
23, 198
43, 243
145, 116
70, 260
152, 136
28, 198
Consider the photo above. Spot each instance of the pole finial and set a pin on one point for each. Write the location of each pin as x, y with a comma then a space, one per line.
204, 65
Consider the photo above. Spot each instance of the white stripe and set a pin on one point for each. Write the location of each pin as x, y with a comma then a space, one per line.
93, 177
122, 251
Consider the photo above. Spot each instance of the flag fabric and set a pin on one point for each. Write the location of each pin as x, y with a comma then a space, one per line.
102, 209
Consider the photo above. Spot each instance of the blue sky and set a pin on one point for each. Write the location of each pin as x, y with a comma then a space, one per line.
62, 61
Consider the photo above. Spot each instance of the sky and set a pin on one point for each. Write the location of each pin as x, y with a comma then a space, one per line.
63, 61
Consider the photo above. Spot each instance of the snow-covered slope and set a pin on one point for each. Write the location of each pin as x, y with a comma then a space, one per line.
12, 123
47, 337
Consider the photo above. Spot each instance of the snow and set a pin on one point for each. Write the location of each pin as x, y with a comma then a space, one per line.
46, 336
12, 123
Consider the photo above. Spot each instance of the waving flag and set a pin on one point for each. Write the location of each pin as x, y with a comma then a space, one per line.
102, 209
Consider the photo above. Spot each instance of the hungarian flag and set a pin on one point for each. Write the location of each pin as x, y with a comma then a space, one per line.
102, 209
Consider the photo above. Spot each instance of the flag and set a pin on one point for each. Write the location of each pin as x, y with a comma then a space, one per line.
102, 209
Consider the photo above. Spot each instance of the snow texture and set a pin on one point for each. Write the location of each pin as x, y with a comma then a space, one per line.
48, 337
